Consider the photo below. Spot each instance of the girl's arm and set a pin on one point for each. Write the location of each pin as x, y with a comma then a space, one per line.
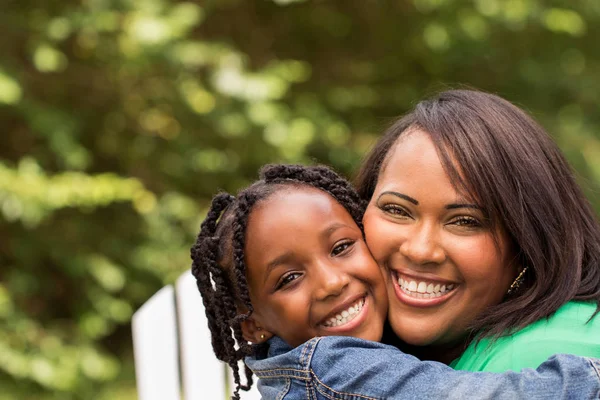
343, 366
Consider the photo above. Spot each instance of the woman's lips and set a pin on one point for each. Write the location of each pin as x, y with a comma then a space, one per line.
422, 292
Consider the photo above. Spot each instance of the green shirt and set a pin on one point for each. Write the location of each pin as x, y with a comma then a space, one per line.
566, 331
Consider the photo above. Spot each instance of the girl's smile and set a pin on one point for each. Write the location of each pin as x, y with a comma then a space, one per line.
347, 316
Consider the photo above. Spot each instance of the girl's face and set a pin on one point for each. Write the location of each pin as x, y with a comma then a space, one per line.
309, 270
443, 265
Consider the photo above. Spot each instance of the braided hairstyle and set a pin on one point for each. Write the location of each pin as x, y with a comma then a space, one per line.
218, 254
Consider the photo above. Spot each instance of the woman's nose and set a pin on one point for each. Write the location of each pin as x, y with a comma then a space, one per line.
423, 246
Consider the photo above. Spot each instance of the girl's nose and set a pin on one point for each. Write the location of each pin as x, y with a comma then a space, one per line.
330, 281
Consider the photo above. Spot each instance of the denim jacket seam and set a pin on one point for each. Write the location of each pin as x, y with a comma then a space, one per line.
301, 358
337, 392
306, 392
309, 347
285, 390
282, 373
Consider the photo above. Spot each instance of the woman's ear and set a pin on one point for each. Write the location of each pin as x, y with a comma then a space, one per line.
253, 332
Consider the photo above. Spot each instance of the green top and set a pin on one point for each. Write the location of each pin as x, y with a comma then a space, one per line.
566, 331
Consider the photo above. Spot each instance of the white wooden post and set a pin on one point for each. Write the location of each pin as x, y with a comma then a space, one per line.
157, 327
203, 375
155, 348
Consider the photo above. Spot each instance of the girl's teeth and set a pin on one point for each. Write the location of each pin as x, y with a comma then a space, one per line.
423, 290
345, 316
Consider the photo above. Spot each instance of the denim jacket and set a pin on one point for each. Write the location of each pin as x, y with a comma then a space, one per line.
339, 367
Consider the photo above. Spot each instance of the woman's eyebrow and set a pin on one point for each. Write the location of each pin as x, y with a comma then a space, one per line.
465, 205
401, 195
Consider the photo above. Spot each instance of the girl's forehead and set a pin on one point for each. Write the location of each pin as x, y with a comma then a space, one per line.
293, 201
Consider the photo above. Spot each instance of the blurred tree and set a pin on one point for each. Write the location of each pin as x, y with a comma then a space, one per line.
121, 118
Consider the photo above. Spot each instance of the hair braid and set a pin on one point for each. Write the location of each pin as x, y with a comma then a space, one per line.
204, 264
218, 300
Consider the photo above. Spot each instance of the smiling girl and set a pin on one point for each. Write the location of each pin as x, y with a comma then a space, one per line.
289, 284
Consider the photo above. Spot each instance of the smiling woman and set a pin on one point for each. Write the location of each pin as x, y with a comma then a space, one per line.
445, 266
477, 218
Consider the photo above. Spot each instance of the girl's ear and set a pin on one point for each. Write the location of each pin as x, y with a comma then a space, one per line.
253, 332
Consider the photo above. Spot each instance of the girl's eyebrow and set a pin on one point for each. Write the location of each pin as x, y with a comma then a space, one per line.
332, 228
282, 259
401, 195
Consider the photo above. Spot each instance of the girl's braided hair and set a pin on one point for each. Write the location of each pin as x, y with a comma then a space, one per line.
218, 254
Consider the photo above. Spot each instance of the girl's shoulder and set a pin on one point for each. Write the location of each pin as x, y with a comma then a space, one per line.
569, 330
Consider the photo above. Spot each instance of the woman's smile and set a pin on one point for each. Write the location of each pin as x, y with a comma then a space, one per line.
422, 291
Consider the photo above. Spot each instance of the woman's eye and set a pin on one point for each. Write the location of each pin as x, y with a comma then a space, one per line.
341, 248
468, 222
287, 279
395, 210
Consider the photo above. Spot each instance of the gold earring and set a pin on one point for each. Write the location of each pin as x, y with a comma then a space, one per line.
262, 336
517, 282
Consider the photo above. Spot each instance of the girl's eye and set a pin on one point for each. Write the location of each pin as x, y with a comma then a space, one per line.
467, 222
287, 279
395, 210
341, 248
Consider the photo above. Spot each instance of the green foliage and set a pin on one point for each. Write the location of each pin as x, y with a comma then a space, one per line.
121, 118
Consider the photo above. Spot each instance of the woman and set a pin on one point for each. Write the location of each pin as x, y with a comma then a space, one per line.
484, 233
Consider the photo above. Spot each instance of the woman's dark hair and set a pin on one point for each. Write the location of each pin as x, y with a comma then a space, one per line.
494, 152
218, 254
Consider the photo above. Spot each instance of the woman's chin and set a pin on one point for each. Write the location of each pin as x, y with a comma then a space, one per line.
413, 337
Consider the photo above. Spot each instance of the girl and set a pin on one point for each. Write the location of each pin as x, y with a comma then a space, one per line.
283, 267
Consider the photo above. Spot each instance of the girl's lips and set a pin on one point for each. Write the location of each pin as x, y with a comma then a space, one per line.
422, 292
353, 321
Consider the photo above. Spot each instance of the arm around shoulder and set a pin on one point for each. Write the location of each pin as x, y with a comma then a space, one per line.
343, 367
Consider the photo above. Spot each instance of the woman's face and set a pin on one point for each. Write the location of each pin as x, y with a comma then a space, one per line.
444, 265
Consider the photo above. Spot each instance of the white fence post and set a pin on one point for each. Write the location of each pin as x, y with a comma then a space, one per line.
203, 375
157, 327
154, 329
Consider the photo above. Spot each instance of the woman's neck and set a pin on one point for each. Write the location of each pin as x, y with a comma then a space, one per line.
441, 353
444, 353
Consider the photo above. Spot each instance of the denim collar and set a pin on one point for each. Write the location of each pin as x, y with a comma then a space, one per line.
277, 346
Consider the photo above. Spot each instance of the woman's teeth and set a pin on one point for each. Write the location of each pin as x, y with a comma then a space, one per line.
424, 290
345, 316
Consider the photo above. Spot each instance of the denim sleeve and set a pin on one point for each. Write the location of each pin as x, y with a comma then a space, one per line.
355, 369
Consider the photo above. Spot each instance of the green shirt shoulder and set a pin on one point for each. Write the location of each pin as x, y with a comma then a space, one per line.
567, 331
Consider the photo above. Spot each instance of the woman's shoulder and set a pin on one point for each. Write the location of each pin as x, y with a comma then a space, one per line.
569, 330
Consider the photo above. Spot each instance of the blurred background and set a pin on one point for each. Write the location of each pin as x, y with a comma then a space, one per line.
120, 118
